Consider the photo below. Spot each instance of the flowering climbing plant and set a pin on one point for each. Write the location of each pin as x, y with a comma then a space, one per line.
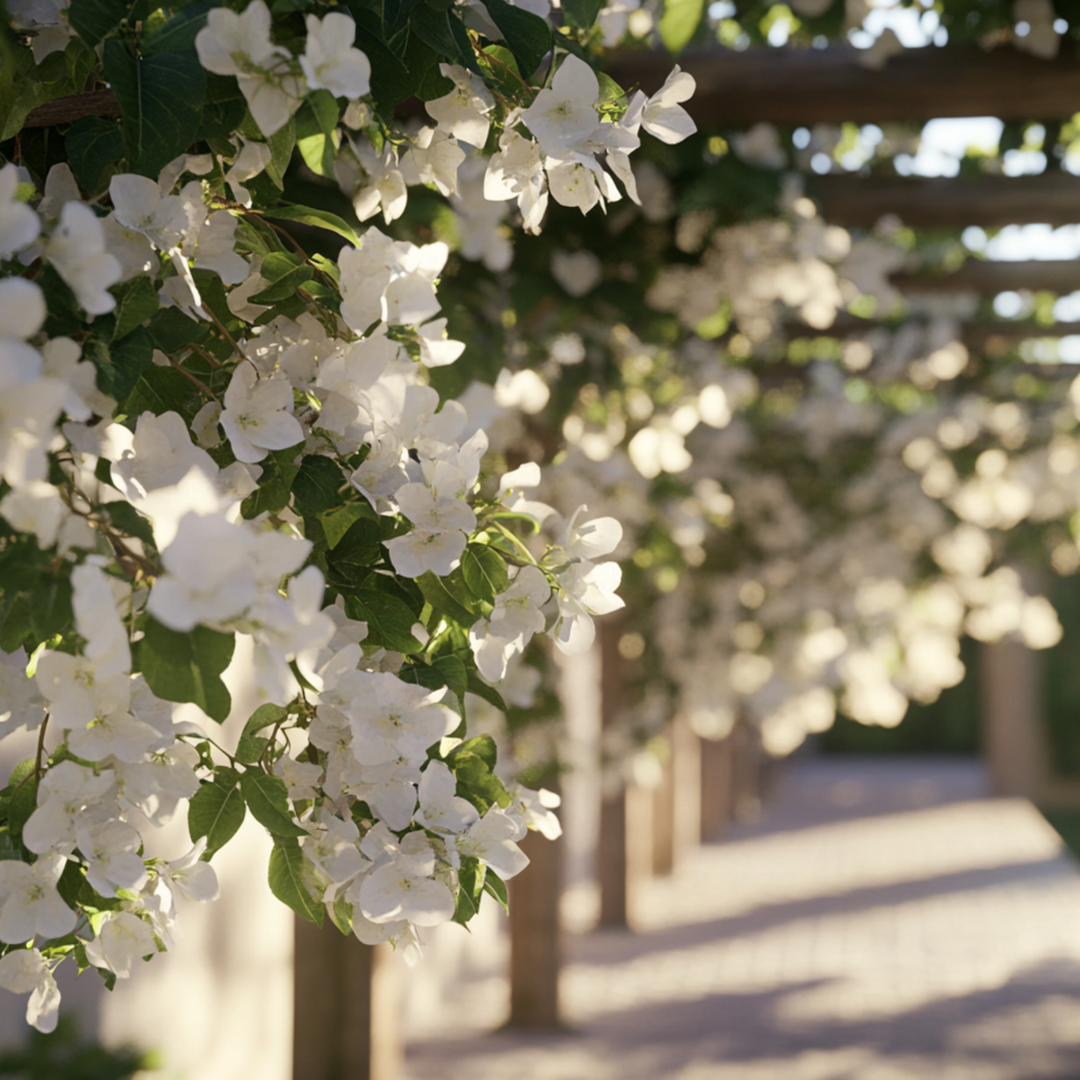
224, 464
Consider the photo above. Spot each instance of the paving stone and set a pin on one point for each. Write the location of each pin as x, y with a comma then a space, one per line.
882, 920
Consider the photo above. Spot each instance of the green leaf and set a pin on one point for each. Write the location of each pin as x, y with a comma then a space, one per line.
187, 666
341, 915
177, 34
476, 782
679, 22
438, 27
249, 748
224, 108
390, 620
124, 517
217, 810
279, 469
285, 273
316, 132
483, 746
24, 785
391, 80
121, 364
289, 877
136, 301
477, 686
337, 523
471, 889
496, 887
456, 605
268, 800
484, 570
65, 315
93, 20
50, 605
93, 143
527, 35
316, 487
163, 389
320, 219
581, 14
171, 330
281, 145
161, 100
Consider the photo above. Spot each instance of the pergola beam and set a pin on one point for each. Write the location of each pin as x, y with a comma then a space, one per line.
990, 278
831, 85
946, 203
975, 333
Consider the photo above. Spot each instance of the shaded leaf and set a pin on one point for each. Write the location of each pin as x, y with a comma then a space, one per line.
289, 878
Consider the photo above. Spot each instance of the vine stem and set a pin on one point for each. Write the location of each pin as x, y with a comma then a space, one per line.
40, 747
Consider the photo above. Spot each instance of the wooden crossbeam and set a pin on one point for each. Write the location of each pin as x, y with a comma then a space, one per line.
975, 333
946, 203
831, 85
990, 278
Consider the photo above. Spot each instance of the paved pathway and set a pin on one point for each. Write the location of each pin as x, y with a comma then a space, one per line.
881, 921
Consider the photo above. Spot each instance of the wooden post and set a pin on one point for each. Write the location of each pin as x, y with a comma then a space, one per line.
612, 869
346, 1008
663, 814
717, 760
686, 784
1014, 743
536, 936
746, 772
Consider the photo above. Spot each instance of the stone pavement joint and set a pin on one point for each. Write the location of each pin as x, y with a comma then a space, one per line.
882, 920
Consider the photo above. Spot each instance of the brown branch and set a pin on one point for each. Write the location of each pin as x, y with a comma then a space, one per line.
64, 110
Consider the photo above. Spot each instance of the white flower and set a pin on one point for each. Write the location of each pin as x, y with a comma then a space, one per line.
19, 225
663, 116
161, 455
191, 877
535, 809
585, 589
441, 809
514, 620
24, 971
330, 62
591, 539
436, 349
403, 887
29, 902
209, 574
419, 551
491, 840
252, 159
373, 181
139, 205
433, 158
110, 848
130, 248
564, 115
390, 718
333, 849
35, 507
234, 44
76, 694
67, 791
122, 939
462, 112
77, 249
258, 414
